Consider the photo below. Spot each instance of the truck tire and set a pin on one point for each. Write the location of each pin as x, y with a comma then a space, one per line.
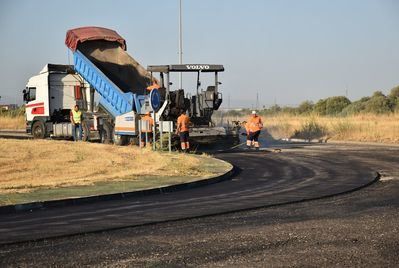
38, 130
106, 133
86, 131
120, 140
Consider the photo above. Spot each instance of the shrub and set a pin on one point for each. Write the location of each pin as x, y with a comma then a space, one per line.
310, 129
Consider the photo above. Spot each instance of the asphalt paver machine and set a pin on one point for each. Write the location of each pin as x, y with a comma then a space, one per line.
199, 103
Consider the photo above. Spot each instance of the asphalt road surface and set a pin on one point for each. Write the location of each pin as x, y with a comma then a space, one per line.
360, 228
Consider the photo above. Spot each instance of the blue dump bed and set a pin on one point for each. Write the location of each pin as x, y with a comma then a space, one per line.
113, 99
100, 57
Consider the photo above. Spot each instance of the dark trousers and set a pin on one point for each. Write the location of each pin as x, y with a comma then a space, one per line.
253, 136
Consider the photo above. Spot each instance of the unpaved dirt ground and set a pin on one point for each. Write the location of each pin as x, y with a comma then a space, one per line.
357, 229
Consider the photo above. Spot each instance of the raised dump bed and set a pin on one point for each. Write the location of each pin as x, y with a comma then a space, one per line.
100, 58
117, 65
114, 100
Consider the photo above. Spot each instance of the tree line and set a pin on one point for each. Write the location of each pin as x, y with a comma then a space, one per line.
378, 103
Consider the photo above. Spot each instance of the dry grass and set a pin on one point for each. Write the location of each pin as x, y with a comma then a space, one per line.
26, 165
8, 122
366, 128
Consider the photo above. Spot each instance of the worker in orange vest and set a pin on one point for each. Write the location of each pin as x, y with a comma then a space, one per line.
253, 127
183, 124
147, 125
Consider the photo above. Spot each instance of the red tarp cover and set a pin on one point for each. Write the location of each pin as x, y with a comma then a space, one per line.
80, 35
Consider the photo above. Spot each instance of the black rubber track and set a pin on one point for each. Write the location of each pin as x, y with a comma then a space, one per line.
264, 179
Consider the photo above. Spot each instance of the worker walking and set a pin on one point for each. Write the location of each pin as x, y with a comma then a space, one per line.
253, 127
76, 120
183, 124
146, 129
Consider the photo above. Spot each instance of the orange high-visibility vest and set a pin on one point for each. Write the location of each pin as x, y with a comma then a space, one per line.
150, 121
183, 123
254, 124
153, 86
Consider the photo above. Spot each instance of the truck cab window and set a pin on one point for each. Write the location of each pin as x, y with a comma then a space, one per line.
32, 93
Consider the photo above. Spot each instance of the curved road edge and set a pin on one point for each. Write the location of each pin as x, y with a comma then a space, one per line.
225, 176
40, 205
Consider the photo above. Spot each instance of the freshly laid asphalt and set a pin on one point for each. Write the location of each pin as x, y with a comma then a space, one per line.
264, 179
359, 229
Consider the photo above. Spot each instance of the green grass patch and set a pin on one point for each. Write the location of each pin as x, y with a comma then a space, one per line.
208, 164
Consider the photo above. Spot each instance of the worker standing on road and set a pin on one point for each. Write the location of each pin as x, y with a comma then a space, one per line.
183, 124
253, 127
76, 120
147, 125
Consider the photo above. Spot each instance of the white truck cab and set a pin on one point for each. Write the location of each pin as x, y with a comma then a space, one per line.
49, 98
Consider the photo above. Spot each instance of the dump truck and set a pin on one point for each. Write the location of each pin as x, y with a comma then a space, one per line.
49, 97
103, 68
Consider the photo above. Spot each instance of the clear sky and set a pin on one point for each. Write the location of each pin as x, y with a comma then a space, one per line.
287, 51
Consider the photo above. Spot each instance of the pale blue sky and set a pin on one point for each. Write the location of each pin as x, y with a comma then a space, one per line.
288, 51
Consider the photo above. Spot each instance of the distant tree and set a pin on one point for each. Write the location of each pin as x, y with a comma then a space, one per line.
364, 99
335, 105
355, 107
394, 92
305, 107
378, 104
320, 107
394, 98
377, 94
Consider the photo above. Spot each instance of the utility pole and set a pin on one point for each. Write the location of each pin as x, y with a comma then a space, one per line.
180, 43
257, 101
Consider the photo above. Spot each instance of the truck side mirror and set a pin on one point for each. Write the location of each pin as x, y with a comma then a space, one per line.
25, 96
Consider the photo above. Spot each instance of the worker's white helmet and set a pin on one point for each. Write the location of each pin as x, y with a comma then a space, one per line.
253, 112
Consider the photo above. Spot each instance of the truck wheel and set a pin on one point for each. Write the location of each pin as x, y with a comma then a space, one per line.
38, 130
86, 131
120, 140
135, 140
106, 133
